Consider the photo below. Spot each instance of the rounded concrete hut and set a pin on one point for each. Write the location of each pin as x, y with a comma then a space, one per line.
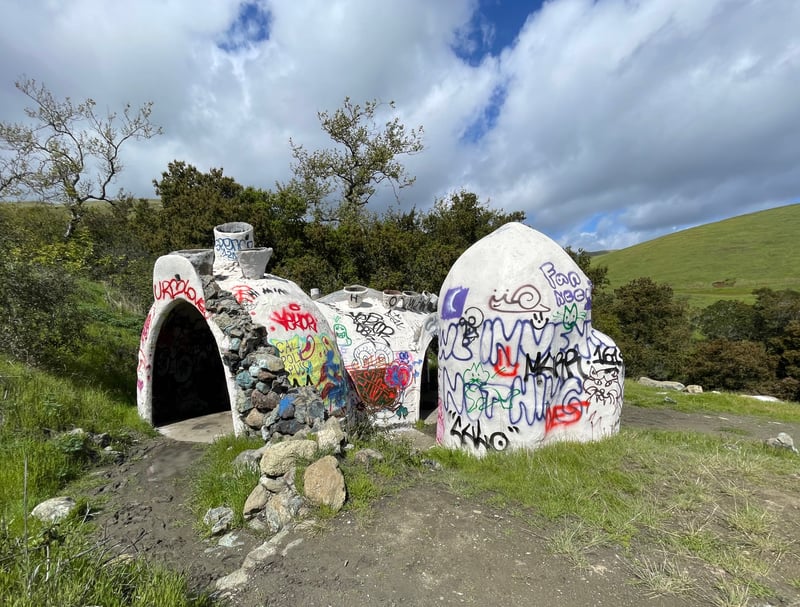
519, 362
224, 335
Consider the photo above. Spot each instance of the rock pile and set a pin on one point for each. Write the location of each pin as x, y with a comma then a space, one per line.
268, 403
275, 502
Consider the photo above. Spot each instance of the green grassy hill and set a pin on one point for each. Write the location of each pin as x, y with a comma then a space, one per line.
737, 255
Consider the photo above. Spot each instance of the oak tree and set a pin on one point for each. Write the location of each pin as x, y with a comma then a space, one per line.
339, 181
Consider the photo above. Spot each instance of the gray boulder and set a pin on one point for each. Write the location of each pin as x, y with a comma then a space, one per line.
663, 385
280, 457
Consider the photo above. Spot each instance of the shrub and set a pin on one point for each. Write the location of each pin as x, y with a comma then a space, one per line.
731, 365
40, 319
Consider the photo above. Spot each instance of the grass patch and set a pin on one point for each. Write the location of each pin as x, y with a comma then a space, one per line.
58, 565
367, 483
218, 482
710, 402
673, 501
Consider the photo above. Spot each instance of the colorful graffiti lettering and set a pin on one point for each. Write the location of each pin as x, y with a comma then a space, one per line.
244, 294
370, 354
332, 386
146, 327
294, 318
525, 299
373, 389
178, 287
301, 355
470, 323
566, 287
503, 366
142, 371
569, 316
341, 332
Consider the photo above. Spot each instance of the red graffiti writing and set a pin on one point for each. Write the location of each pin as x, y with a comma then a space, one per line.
564, 415
142, 371
178, 287
293, 318
244, 294
503, 366
146, 328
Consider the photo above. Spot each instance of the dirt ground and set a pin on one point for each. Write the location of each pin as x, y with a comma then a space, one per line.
425, 546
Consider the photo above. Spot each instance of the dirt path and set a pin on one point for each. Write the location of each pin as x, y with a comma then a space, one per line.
426, 546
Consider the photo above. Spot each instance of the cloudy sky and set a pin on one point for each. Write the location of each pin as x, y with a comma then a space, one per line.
609, 122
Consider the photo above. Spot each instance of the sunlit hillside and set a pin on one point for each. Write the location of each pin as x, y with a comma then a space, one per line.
723, 260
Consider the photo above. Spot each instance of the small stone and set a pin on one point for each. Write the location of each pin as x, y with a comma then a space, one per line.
266, 376
664, 385
244, 380
230, 540
289, 426
53, 510
249, 458
331, 437
244, 403
367, 456
273, 485
235, 344
219, 519
271, 363
233, 581
694, 389
281, 385
254, 419
286, 407
256, 501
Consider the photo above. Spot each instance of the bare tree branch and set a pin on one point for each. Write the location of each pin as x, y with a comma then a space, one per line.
67, 153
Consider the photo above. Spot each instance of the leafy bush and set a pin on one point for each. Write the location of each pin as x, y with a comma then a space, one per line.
40, 319
726, 364
651, 328
728, 319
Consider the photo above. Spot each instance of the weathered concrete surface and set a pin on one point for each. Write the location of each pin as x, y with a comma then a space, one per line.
203, 429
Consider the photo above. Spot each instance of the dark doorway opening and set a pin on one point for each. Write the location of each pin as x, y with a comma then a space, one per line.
429, 386
188, 377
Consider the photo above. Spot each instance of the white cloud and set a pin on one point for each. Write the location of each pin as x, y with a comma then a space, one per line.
620, 119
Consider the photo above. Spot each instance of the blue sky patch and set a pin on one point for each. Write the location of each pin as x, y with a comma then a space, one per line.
494, 26
487, 119
250, 27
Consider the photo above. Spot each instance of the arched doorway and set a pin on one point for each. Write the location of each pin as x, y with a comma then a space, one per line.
429, 385
188, 376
